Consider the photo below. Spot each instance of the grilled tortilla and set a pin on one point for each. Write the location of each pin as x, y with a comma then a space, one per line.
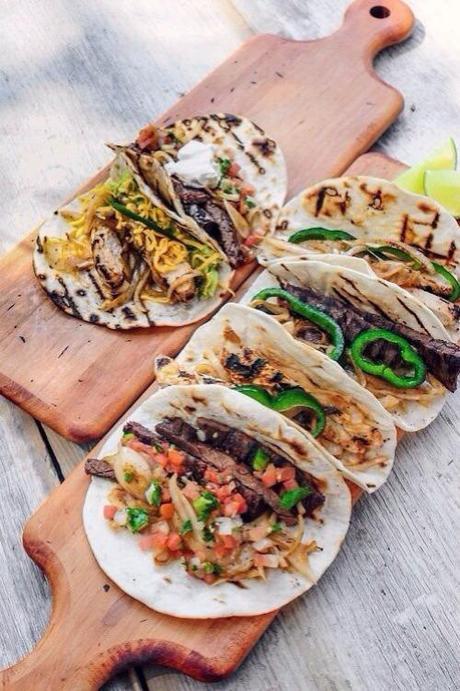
359, 302
271, 571
377, 213
242, 346
105, 267
239, 207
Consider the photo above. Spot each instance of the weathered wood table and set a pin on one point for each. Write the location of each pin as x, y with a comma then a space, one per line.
76, 74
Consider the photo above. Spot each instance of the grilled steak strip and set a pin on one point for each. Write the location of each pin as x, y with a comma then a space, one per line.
183, 435
442, 358
99, 467
199, 204
241, 446
195, 467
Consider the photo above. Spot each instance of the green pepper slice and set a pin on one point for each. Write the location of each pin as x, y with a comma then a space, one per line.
384, 250
319, 234
140, 219
297, 397
380, 369
450, 278
287, 399
318, 317
257, 392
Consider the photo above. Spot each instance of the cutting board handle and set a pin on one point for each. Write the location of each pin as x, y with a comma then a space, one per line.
371, 25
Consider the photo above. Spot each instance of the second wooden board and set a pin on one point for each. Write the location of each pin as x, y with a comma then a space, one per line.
108, 629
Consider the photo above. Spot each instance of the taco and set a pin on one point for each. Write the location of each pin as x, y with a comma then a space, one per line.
253, 354
180, 506
220, 171
116, 256
381, 334
407, 239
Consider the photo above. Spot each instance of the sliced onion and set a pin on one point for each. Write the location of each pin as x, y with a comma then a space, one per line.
240, 223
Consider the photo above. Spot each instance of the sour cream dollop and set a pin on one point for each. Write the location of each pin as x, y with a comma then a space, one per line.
195, 165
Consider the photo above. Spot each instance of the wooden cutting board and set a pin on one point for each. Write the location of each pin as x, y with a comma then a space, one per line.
324, 104
107, 629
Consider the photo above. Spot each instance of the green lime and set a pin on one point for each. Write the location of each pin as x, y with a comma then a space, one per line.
444, 187
444, 157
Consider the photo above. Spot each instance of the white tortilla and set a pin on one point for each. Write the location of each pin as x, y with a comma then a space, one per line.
168, 589
77, 295
323, 277
236, 326
372, 209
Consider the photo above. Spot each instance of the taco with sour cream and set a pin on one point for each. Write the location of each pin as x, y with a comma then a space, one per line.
127, 254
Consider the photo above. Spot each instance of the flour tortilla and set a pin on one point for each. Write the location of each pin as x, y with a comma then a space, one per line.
168, 589
77, 294
372, 209
236, 327
401, 306
260, 158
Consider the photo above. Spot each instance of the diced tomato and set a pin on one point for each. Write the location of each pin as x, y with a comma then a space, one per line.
167, 511
252, 239
290, 484
174, 542
240, 503
269, 478
286, 473
233, 169
223, 493
211, 475
247, 189
159, 541
110, 511
161, 458
191, 491
147, 542
176, 457
146, 136
165, 495
209, 578
230, 509
229, 542
220, 550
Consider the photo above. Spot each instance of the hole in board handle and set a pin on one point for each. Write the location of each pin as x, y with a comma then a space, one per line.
379, 12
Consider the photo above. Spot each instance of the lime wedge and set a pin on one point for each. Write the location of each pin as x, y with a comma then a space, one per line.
444, 157
444, 187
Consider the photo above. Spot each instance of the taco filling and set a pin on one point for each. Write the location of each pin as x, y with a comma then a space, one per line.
199, 168
132, 249
392, 379
212, 497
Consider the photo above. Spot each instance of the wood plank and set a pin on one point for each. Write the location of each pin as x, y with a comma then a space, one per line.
78, 378
205, 649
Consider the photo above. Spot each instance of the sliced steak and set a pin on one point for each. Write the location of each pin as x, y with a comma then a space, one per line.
241, 446
442, 358
185, 437
99, 467
195, 467
199, 204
